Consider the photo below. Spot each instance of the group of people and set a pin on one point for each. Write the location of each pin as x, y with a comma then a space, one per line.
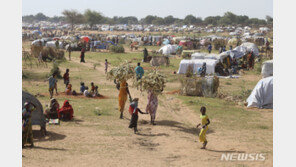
93, 91
151, 107
54, 111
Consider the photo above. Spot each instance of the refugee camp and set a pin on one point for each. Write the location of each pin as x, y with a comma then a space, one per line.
101, 89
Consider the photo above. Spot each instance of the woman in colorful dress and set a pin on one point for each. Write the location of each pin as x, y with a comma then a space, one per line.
122, 97
152, 105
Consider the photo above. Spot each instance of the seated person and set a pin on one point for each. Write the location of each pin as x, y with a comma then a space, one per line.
96, 92
82, 87
203, 70
69, 89
66, 112
86, 92
52, 111
92, 90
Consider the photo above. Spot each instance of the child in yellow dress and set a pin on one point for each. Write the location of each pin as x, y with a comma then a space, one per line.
205, 121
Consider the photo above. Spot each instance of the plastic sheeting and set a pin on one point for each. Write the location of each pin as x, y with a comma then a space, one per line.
197, 56
53, 45
247, 47
168, 49
262, 94
197, 63
233, 54
267, 69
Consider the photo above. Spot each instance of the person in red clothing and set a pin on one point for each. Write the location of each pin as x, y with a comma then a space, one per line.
133, 110
66, 112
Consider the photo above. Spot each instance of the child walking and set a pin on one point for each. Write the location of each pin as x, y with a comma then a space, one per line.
205, 121
133, 110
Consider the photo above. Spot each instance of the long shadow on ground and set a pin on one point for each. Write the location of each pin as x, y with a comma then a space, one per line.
44, 148
225, 151
51, 136
180, 127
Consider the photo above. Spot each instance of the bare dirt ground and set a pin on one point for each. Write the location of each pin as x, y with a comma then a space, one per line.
98, 141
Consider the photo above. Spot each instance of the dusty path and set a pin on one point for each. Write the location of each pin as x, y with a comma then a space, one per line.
172, 142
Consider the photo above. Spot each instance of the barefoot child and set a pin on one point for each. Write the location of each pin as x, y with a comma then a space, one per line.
204, 123
133, 110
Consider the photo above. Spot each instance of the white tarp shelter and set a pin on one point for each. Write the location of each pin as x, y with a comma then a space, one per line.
199, 56
168, 49
197, 63
262, 94
247, 47
267, 69
232, 53
53, 45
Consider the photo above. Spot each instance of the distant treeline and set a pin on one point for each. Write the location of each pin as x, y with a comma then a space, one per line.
92, 17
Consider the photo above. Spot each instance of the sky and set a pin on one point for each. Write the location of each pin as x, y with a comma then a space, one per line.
162, 8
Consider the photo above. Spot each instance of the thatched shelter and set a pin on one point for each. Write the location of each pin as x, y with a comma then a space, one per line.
199, 86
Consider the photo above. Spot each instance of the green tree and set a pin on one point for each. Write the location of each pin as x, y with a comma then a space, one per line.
169, 20
92, 17
158, 21
213, 20
148, 19
73, 17
40, 17
189, 20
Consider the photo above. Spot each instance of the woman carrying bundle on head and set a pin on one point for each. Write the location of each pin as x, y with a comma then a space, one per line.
122, 97
152, 105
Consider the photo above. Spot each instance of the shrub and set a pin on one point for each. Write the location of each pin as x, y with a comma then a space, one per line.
117, 49
55, 69
219, 43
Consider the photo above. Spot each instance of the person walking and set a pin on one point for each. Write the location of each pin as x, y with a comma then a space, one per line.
82, 55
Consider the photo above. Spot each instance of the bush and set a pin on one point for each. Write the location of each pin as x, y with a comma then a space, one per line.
121, 41
117, 49
219, 43
55, 69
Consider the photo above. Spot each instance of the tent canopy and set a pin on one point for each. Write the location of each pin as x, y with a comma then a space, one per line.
262, 94
247, 47
168, 49
197, 63
37, 115
267, 68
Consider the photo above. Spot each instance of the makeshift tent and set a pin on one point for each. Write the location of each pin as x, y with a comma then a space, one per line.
197, 56
262, 94
37, 115
166, 42
197, 63
233, 41
85, 38
37, 42
168, 49
37, 32
53, 45
232, 53
247, 47
267, 69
